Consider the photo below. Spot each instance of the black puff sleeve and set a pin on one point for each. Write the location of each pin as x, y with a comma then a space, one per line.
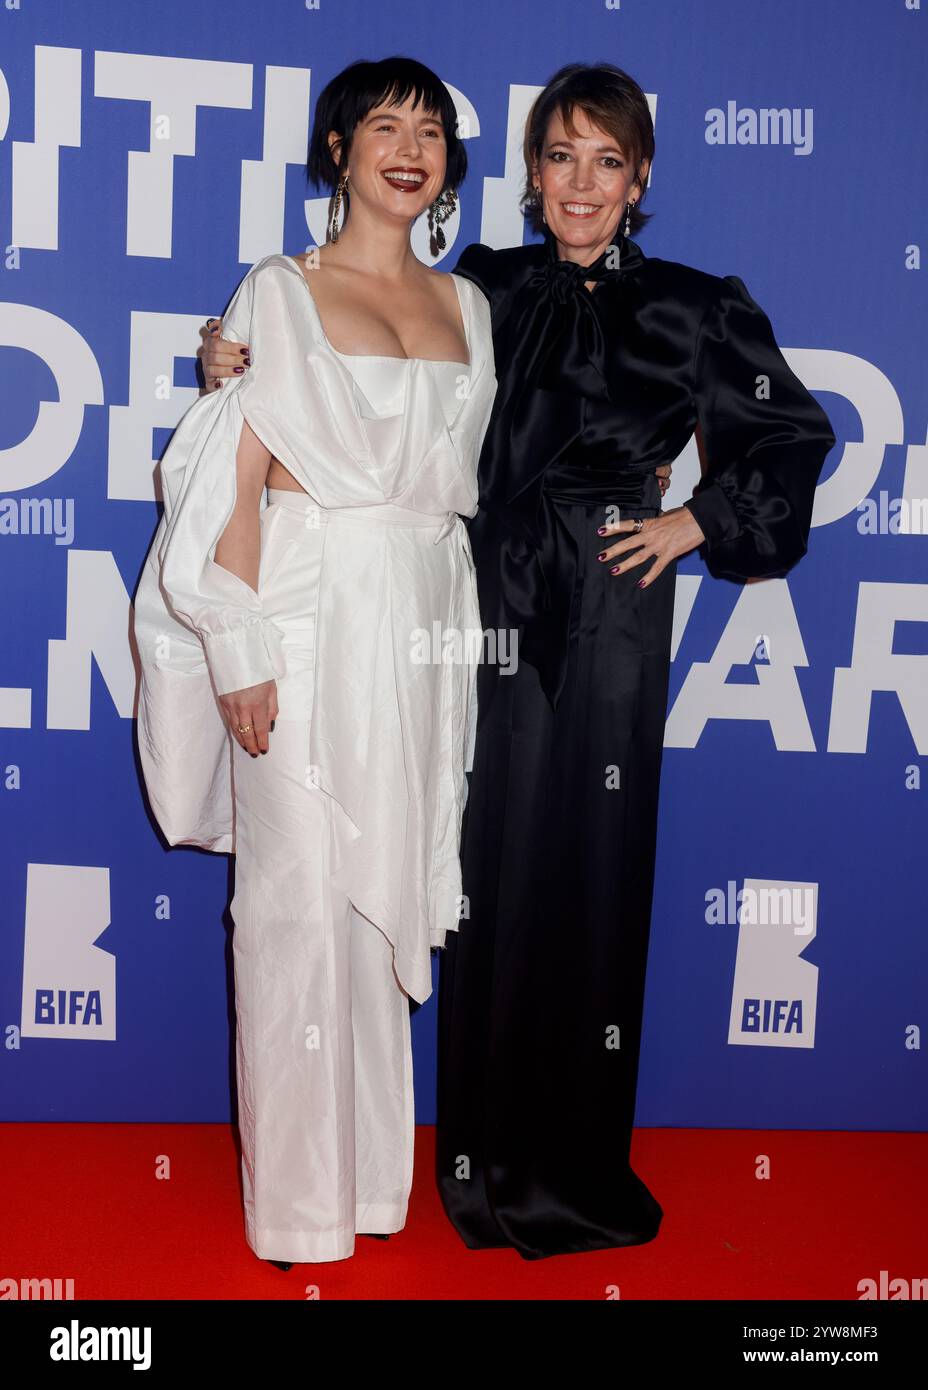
496, 273
476, 263
765, 442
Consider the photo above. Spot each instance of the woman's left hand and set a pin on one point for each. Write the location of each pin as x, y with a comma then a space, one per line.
661, 539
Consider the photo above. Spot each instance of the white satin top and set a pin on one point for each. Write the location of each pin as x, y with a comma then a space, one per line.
381, 387
377, 444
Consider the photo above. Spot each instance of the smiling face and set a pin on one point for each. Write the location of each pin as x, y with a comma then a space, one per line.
397, 163
585, 180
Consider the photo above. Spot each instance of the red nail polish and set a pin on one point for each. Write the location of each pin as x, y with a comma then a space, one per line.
601, 555
244, 352
614, 570
238, 369
601, 531
640, 583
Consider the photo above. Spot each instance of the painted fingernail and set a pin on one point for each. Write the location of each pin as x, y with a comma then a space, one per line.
238, 369
614, 570
247, 361
640, 583
601, 531
244, 352
272, 726
601, 555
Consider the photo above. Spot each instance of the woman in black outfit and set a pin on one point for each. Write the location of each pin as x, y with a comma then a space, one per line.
606, 360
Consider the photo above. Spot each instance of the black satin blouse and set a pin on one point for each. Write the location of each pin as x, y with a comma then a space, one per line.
596, 389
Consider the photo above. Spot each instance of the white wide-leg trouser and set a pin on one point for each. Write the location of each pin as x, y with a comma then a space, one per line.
324, 1060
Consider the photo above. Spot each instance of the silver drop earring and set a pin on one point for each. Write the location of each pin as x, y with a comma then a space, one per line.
439, 212
340, 193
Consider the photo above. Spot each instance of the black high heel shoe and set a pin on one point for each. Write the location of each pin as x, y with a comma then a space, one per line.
373, 1235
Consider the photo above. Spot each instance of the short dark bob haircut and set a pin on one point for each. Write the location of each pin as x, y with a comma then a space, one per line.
611, 100
351, 96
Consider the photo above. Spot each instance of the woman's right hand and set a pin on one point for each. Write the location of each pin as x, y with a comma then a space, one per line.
220, 358
253, 709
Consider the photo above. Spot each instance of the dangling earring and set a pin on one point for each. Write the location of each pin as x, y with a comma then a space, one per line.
628, 218
538, 203
334, 226
439, 212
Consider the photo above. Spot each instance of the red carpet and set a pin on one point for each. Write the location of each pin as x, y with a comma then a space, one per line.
85, 1202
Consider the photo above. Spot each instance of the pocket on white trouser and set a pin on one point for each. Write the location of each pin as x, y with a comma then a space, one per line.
288, 586
277, 540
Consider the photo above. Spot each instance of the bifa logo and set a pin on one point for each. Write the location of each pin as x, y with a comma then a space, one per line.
775, 990
69, 983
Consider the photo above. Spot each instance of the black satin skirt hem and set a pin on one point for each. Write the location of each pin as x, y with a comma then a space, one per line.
569, 1243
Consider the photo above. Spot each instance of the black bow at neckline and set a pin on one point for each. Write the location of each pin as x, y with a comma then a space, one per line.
568, 277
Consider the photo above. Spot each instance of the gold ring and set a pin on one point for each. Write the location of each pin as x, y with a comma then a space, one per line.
246, 729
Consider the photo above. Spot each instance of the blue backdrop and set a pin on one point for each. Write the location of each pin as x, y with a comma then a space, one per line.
148, 156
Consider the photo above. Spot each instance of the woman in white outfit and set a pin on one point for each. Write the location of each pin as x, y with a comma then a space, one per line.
294, 708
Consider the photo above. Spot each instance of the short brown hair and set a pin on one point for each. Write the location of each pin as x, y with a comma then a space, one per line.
611, 100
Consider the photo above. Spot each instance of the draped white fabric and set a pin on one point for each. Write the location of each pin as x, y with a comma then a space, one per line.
389, 732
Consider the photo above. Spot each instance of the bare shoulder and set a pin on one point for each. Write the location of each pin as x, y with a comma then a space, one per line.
307, 262
330, 277
441, 282
454, 294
